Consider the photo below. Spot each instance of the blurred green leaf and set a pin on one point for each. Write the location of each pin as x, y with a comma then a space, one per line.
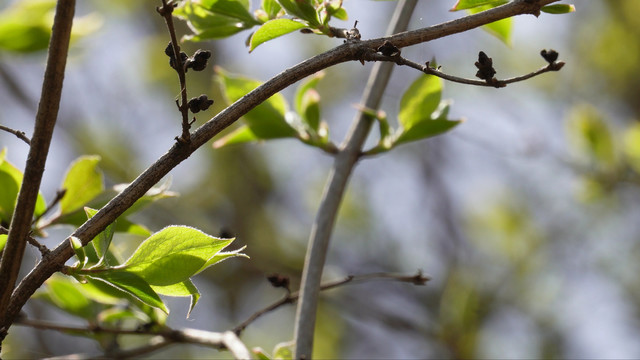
436, 124
83, 182
103, 240
420, 100
470, 4
173, 255
3, 241
558, 8
273, 29
131, 284
68, 295
591, 136
271, 7
10, 182
185, 288
310, 109
240, 135
260, 353
310, 83
283, 351
266, 120
25, 26
215, 19
631, 142
502, 29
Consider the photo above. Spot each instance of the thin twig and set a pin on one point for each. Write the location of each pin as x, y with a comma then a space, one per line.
18, 133
45, 122
59, 195
427, 69
289, 298
223, 341
349, 51
166, 11
334, 189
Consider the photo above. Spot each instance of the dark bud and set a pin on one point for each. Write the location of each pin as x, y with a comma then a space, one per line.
388, 49
169, 50
279, 281
172, 61
198, 61
306, 31
550, 55
200, 103
485, 67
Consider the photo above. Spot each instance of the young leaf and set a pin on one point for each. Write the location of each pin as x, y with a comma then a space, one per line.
302, 9
185, 288
208, 25
83, 182
3, 241
103, 240
10, 182
470, 4
271, 7
232, 8
502, 29
433, 125
558, 8
131, 284
420, 100
310, 109
76, 244
173, 255
266, 120
273, 29
311, 83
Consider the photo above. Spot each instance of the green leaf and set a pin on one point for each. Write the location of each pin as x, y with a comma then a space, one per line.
283, 351
260, 353
152, 195
303, 9
240, 135
631, 142
10, 183
273, 29
3, 241
310, 109
266, 120
231, 8
103, 240
591, 135
420, 100
173, 255
67, 295
470, 4
271, 7
25, 26
185, 288
208, 25
83, 182
436, 124
76, 244
502, 29
558, 8
310, 83
131, 284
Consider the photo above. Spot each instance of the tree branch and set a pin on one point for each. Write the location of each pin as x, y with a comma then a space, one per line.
45, 122
180, 151
222, 341
289, 298
18, 133
333, 193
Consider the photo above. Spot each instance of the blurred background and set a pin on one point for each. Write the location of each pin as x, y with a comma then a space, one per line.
526, 216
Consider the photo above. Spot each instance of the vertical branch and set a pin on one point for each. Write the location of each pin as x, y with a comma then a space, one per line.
334, 190
45, 121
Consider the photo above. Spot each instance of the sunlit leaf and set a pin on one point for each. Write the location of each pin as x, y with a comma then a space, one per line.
271, 7
240, 135
303, 9
470, 4
173, 255
132, 284
182, 289
207, 24
76, 244
420, 100
502, 29
267, 120
10, 182
83, 182
67, 294
103, 240
273, 29
631, 141
3, 241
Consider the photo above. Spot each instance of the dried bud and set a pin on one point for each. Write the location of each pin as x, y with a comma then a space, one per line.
485, 67
198, 61
279, 281
549, 55
388, 49
200, 103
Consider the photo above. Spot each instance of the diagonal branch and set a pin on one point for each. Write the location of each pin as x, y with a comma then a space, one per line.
333, 192
45, 122
349, 51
